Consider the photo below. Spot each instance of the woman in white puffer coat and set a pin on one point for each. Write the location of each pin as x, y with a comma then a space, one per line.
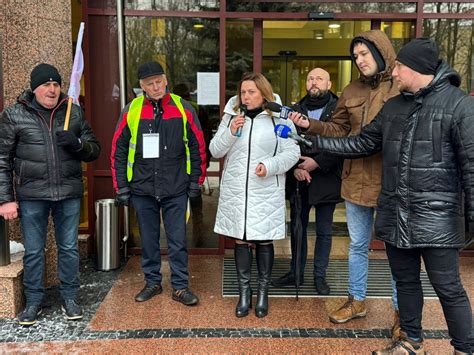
252, 193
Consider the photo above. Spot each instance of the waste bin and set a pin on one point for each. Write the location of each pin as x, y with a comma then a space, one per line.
4, 243
106, 235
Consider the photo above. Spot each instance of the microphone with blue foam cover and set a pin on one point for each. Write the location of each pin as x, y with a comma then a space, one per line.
285, 132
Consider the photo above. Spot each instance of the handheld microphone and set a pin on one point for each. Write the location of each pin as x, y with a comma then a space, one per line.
283, 110
243, 111
285, 132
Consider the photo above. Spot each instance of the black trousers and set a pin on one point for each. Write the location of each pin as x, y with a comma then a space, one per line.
442, 266
173, 210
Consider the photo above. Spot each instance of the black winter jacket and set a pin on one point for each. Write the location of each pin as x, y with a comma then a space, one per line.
164, 176
43, 171
325, 186
427, 143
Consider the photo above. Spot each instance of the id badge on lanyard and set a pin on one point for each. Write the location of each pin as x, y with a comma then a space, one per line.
151, 145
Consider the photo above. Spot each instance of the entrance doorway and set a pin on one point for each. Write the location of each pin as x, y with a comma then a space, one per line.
290, 49
287, 73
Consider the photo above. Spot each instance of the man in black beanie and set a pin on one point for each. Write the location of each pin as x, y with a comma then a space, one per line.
44, 73
426, 135
421, 55
41, 173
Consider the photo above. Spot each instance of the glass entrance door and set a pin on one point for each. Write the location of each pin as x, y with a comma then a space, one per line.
287, 74
293, 48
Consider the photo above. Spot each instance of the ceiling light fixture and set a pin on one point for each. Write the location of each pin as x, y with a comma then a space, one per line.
318, 34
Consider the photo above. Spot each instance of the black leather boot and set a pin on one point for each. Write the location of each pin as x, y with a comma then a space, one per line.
243, 264
265, 256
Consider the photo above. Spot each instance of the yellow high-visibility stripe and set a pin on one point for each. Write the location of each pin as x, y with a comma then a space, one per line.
179, 105
133, 120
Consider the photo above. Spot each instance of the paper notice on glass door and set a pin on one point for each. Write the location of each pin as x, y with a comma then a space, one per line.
208, 88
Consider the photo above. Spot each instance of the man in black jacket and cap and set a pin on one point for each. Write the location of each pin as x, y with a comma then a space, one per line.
426, 135
41, 172
319, 177
158, 160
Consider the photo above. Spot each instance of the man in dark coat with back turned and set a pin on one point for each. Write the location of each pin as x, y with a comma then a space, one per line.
46, 161
319, 177
426, 135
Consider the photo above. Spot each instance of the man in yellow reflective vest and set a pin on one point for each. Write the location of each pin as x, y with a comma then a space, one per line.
158, 160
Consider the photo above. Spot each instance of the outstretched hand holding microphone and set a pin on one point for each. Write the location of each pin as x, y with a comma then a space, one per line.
284, 131
299, 119
292, 113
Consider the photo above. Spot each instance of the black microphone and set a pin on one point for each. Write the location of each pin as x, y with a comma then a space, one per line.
283, 110
284, 131
243, 111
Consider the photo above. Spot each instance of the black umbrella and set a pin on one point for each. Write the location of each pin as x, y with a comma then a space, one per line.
297, 233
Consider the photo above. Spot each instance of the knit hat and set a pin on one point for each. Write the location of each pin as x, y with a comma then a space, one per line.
372, 48
421, 55
150, 69
44, 73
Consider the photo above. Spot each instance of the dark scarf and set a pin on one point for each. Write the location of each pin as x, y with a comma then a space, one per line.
38, 107
43, 111
314, 103
254, 112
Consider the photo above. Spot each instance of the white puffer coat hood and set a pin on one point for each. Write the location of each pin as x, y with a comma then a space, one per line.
248, 204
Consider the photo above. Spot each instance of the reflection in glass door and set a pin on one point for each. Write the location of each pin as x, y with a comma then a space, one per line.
288, 73
293, 48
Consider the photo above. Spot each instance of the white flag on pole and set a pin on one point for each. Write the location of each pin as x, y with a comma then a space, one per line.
77, 68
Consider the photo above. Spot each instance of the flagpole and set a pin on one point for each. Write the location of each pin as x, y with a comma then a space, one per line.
74, 83
68, 113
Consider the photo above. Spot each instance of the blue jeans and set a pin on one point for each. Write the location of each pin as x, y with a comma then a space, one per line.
322, 249
34, 224
360, 220
173, 209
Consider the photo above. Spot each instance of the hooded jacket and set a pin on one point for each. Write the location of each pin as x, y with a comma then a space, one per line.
427, 142
43, 170
252, 207
358, 105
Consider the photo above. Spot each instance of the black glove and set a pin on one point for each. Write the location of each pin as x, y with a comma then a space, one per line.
194, 191
68, 140
123, 197
305, 150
